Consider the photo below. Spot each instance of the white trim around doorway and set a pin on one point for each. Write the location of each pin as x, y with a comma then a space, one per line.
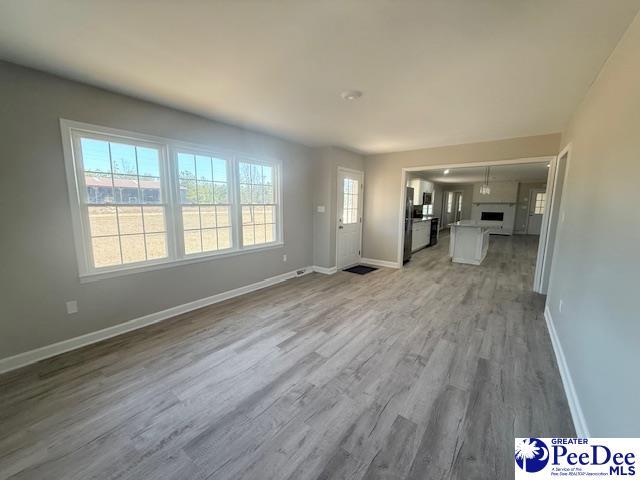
544, 258
403, 183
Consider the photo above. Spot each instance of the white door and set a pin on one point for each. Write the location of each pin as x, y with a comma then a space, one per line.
537, 200
349, 228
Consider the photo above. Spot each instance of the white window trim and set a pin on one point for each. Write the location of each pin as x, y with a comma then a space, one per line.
177, 206
168, 151
277, 177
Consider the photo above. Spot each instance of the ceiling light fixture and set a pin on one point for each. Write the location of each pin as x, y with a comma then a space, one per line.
351, 95
446, 172
484, 188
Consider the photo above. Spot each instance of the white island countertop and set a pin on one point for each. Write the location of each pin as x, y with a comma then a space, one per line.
469, 241
474, 224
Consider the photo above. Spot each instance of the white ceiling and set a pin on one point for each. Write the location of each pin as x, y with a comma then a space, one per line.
433, 72
524, 172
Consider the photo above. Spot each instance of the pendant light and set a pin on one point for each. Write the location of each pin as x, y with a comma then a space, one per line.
484, 188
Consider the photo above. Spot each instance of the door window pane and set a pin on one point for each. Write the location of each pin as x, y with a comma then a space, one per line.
540, 200
350, 201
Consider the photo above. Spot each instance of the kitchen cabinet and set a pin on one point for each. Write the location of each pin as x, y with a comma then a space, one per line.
420, 234
419, 187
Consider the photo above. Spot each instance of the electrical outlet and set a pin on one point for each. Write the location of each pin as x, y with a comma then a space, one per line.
284, 257
560, 305
321, 209
72, 307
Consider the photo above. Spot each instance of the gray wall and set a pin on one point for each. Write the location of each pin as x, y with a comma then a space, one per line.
39, 268
595, 267
383, 177
325, 184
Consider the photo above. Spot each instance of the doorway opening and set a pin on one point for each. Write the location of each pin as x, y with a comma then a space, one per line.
451, 208
511, 200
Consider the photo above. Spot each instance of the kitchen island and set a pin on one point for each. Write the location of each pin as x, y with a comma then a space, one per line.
469, 241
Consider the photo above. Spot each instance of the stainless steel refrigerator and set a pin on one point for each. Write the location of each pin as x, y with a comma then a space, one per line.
408, 225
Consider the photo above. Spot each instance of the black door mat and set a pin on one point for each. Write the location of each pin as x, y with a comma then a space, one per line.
360, 269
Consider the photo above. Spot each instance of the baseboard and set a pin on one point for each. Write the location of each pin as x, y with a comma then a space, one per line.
42, 353
380, 263
579, 421
325, 270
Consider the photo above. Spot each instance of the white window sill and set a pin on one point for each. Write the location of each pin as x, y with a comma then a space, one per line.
147, 267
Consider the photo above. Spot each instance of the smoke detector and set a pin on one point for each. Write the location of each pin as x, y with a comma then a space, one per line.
351, 95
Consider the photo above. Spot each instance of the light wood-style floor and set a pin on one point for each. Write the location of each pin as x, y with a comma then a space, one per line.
425, 372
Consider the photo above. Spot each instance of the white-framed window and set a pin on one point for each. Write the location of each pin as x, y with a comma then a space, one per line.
257, 202
141, 202
122, 199
540, 199
351, 193
449, 202
205, 202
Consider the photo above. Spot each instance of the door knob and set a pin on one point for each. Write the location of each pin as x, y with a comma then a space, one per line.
340, 227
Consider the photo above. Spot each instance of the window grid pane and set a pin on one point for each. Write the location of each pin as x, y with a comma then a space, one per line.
120, 173
122, 180
350, 201
211, 223
140, 232
539, 203
257, 204
204, 194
